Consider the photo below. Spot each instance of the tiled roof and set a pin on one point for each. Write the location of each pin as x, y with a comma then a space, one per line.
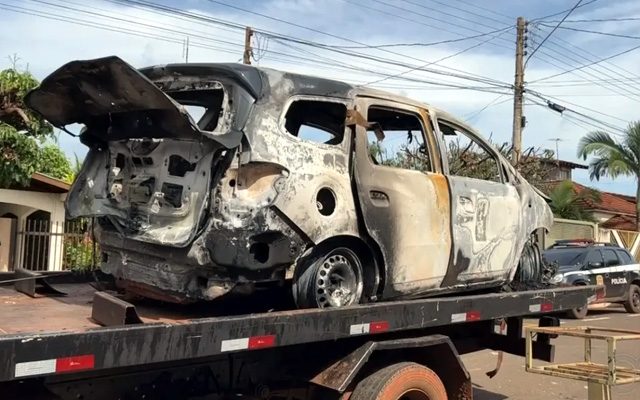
609, 202
622, 222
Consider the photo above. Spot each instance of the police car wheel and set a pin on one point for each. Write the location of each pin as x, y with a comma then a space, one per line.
578, 313
632, 305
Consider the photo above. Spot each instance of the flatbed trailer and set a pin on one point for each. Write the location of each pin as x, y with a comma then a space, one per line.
50, 348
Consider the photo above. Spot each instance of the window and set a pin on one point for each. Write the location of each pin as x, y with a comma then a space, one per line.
594, 257
610, 258
624, 257
316, 121
467, 156
396, 139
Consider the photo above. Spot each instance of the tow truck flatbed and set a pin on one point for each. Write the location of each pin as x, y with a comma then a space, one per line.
53, 338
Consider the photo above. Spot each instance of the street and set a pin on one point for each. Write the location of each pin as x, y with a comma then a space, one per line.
512, 382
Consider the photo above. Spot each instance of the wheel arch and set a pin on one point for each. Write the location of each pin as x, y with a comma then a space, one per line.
369, 254
435, 352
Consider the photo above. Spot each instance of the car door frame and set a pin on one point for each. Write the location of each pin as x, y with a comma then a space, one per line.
415, 242
469, 266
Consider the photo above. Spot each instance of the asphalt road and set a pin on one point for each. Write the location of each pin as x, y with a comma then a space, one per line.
512, 382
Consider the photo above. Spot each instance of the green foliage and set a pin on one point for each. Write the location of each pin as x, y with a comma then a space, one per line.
24, 135
14, 85
568, 204
614, 158
19, 157
78, 256
54, 163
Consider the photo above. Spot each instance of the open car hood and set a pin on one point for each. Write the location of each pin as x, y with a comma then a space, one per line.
111, 94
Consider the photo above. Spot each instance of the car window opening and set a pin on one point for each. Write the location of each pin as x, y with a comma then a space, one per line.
396, 139
316, 121
467, 156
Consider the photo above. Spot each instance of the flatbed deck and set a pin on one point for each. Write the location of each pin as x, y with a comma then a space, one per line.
38, 330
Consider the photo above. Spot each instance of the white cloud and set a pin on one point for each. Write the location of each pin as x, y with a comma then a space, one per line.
46, 44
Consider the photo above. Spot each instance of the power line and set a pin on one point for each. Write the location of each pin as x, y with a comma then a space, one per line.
437, 61
553, 30
471, 4
483, 16
587, 65
594, 32
493, 102
599, 20
562, 12
564, 55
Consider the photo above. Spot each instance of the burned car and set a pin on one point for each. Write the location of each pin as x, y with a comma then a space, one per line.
207, 179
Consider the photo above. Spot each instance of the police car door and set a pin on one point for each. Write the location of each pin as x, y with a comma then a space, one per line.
614, 274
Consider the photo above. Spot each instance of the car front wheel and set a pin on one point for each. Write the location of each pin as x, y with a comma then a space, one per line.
327, 279
632, 304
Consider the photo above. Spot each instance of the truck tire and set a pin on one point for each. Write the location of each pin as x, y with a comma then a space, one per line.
406, 381
578, 313
632, 305
328, 278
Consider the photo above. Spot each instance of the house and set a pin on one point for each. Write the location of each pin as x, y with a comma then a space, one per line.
560, 170
32, 221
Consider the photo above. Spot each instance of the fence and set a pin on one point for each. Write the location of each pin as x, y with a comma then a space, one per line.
43, 245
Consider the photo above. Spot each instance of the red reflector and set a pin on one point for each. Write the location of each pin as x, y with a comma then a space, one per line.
546, 307
473, 315
380, 326
261, 342
75, 363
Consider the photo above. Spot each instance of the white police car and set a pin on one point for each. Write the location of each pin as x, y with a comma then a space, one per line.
583, 262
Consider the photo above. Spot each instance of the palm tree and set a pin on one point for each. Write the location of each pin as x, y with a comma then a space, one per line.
614, 158
569, 204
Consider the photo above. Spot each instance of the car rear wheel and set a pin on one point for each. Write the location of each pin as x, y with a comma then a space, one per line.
327, 279
403, 381
632, 304
578, 313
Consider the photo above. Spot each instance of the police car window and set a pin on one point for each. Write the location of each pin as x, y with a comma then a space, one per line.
594, 257
610, 258
564, 256
624, 257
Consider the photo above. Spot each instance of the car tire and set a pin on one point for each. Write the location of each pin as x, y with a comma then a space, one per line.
530, 263
328, 279
632, 305
578, 313
405, 380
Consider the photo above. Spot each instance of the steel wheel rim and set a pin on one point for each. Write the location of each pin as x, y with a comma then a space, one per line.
635, 299
413, 394
339, 280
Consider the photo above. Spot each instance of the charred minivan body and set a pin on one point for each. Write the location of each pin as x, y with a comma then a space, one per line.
211, 178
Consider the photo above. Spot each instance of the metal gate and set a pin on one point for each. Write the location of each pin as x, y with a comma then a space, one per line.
43, 245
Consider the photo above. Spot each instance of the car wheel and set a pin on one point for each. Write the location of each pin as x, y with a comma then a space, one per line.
578, 313
330, 279
530, 264
632, 304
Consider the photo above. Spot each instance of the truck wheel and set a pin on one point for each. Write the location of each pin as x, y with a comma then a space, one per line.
403, 381
578, 313
632, 305
332, 279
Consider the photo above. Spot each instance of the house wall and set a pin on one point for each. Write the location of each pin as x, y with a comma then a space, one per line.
22, 203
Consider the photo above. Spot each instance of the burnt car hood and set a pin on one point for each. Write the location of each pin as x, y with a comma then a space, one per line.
108, 91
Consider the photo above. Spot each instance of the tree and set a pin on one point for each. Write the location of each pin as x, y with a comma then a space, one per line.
569, 204
614, 158
25, 138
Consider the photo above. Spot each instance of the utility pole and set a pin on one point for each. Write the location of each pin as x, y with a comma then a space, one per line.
518, 92
248, 34
186, 51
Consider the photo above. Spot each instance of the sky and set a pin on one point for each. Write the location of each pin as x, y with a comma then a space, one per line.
43, 35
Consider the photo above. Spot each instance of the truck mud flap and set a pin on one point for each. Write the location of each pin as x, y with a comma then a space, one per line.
108, 310
34, 284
